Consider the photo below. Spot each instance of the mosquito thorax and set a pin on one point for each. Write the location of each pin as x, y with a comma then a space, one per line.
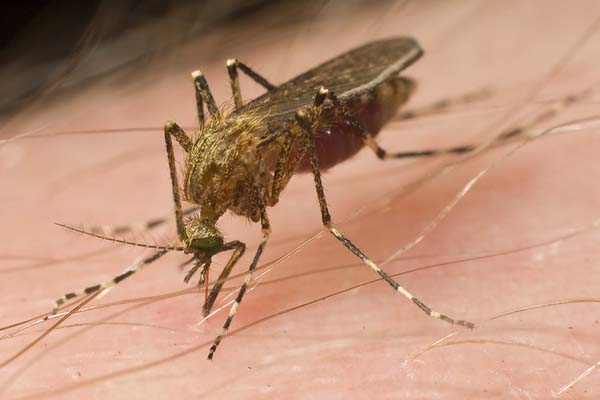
222, 165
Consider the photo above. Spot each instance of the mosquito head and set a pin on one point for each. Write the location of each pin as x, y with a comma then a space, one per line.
202, 236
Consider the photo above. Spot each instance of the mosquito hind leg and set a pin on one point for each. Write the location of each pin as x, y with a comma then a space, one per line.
266, 231
522, 130
304, 120
443, 105
370, 141
132, 269
232, 67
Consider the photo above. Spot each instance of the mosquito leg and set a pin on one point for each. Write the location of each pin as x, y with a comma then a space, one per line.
283, 168
232, 67
266, 231
443, 105
128, 272
370, 141
203, 94
304, 120
238, 250
205, 265
199, 103
523, 130
197, 265
172, 129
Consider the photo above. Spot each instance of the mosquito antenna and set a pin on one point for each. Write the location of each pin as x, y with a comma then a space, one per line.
120, 240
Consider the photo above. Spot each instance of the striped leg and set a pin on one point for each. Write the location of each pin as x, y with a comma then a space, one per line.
238, 251
443, 105
266, 231
128, 272
305, 122
523, 130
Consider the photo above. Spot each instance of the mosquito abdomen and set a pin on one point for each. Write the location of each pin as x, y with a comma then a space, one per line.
336, 140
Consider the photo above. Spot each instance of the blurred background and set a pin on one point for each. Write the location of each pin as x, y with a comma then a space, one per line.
51, 47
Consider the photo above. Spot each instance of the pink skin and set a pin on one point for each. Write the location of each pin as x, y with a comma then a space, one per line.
366, 342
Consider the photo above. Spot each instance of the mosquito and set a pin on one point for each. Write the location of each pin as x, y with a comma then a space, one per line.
241, 160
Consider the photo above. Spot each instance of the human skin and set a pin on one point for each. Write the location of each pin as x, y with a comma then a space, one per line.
365, 342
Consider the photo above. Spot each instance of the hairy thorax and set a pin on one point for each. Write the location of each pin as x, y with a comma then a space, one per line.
225, 169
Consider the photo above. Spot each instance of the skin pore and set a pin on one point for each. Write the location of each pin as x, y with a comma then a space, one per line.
367, 341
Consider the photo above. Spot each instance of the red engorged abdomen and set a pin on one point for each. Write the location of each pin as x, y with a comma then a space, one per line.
336, 140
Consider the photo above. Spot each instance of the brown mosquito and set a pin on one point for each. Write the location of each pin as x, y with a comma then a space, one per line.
241, 160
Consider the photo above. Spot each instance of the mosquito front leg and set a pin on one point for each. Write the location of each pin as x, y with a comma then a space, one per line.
132, 269
203, 94
266, 231
307, 123
238, 251
205, 265
232, 67
172, 129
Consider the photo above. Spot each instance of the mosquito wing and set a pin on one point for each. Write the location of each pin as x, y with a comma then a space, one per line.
346, 75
